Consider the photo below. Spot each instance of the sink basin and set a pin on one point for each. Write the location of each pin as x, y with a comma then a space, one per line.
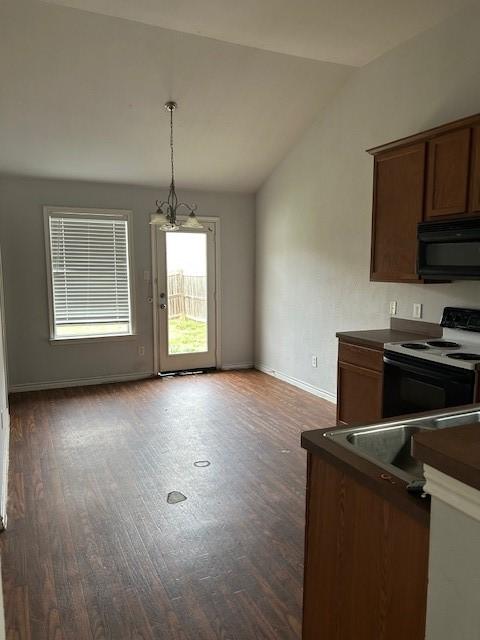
388, 445
456, 421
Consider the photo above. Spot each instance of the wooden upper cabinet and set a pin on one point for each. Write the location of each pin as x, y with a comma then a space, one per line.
398, 198
448, 173
430, 175
475, 173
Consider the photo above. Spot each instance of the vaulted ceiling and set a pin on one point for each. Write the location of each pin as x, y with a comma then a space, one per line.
83, 91
351, 32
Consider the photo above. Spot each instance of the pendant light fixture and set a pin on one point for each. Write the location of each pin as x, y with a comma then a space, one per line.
165, 216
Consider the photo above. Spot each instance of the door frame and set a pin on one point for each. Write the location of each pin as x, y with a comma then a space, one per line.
154, 231
4, 411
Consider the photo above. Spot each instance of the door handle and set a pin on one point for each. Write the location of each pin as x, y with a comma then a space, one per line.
163, 306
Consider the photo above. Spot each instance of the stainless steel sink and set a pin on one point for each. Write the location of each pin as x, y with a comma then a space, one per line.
388, 445
456, 421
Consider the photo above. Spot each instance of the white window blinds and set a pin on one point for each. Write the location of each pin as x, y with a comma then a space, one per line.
90, 274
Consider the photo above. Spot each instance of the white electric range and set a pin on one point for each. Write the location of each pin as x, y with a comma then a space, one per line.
456, 348
425, 375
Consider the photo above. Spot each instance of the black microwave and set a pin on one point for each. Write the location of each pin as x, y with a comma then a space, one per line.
449, 250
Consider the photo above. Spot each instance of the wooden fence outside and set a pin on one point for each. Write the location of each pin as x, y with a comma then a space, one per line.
187, 296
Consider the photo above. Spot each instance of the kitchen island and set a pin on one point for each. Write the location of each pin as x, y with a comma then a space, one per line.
366, 543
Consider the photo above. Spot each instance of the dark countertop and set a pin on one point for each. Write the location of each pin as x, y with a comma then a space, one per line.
454, 451
388, 486
377, 338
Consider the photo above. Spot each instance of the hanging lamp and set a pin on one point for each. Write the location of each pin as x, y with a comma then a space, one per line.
165, 216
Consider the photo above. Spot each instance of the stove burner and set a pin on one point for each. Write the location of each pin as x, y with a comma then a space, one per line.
444, 344
419, 346
464, 356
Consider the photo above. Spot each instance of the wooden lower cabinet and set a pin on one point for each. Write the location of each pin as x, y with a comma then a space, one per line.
359, 384
366, 561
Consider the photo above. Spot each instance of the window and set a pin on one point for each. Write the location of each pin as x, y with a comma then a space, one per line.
88, 259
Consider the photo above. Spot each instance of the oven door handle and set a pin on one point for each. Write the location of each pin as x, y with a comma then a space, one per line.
430, 373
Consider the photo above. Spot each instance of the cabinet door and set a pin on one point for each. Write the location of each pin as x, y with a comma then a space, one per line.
398, 195
366, 561
448, 174
475, 173
360, 394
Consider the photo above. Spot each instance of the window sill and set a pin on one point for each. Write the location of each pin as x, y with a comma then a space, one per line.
85, 339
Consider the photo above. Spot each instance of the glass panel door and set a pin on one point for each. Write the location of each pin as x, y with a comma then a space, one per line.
186, 296
187, 285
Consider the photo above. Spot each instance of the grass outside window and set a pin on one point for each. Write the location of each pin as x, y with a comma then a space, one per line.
186, 336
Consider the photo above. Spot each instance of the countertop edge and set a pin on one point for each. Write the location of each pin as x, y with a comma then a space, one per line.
370, 337
344, 336
391, 488
432, 449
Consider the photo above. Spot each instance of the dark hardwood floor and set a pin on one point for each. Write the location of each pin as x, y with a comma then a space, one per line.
93, 550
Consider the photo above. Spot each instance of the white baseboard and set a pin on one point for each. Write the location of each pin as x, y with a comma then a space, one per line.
6, 460
238, 365
78, 382
305, 386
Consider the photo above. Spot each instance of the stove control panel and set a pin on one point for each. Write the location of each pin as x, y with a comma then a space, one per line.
458, 318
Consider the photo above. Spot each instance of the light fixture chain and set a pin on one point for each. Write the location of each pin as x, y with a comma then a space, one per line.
169, 208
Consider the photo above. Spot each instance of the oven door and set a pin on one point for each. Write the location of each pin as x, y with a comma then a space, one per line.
412, 385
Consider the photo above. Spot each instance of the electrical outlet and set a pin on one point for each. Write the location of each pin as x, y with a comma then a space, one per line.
393, 308
417, 310
314, 361
141, 351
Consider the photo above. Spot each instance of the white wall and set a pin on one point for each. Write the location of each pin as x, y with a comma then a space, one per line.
453, 609
31, 358
314, 212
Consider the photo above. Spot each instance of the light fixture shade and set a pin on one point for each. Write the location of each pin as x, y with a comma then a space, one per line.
192, 222
169, 226
158, 219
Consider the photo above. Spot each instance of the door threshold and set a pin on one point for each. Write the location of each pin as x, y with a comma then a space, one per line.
186, 372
